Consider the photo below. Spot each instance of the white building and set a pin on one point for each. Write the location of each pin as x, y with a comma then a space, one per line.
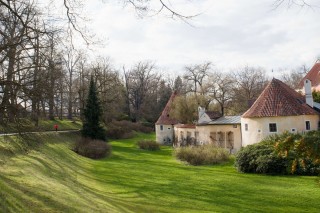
164, 126
278, 109
211, 128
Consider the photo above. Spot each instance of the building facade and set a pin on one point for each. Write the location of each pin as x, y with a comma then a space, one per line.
165, 124
278, 109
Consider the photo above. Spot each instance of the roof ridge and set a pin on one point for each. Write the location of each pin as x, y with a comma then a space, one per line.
165, 116
278, 99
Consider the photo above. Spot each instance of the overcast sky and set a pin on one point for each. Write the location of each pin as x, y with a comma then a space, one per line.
230, 33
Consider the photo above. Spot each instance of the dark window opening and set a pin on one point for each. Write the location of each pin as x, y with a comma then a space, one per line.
272, 127
161, 127
307, 125
246, 127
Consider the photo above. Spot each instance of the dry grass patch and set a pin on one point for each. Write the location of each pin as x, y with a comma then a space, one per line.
148, 145
202, 155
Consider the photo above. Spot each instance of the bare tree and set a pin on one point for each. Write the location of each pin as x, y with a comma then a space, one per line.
290, 3
110, 88
143, 8
221, 88
197, 75
249, 83
53, 74
140, 81
82, 84
293, 78
71, 59
18, 31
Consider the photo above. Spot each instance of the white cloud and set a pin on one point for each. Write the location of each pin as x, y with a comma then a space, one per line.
229, 33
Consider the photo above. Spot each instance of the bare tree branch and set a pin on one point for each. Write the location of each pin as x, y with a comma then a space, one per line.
290, 3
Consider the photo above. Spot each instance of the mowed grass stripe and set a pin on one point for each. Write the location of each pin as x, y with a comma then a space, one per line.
52, 178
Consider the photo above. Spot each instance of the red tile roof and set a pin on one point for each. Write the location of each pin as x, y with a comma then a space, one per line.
278, 99
165, 117
313, 75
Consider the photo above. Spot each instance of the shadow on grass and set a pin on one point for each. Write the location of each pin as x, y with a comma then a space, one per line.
30, 198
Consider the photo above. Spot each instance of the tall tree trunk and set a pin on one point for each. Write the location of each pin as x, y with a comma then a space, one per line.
70, 96
35, 93
8, 93
51, 90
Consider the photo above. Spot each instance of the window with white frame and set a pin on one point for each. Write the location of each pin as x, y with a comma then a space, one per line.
272, 127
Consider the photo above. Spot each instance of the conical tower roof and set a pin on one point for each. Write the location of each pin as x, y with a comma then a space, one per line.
278, 99
165, 117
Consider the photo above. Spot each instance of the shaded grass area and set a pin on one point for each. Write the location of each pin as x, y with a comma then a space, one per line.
49, 177
26, 125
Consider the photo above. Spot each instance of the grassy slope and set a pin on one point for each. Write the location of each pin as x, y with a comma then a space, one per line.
44, 125
51, 178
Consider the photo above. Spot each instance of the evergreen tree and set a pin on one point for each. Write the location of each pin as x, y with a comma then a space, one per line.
91, 125
178, 85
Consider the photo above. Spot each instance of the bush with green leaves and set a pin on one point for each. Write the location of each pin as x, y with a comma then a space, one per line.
302, 152
285, 153
148, 145
260, 158
202, 155
92, 148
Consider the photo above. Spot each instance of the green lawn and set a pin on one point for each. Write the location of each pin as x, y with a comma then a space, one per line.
51, 178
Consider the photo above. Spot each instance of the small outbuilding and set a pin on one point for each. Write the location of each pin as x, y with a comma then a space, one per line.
165, 124
224, 132
211, 128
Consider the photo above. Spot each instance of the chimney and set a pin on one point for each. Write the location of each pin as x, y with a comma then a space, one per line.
201, 111
308, 92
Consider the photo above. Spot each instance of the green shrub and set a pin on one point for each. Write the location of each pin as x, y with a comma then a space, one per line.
301, 151
202, 155
285, 153
92, 148
260, 158
148, 145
